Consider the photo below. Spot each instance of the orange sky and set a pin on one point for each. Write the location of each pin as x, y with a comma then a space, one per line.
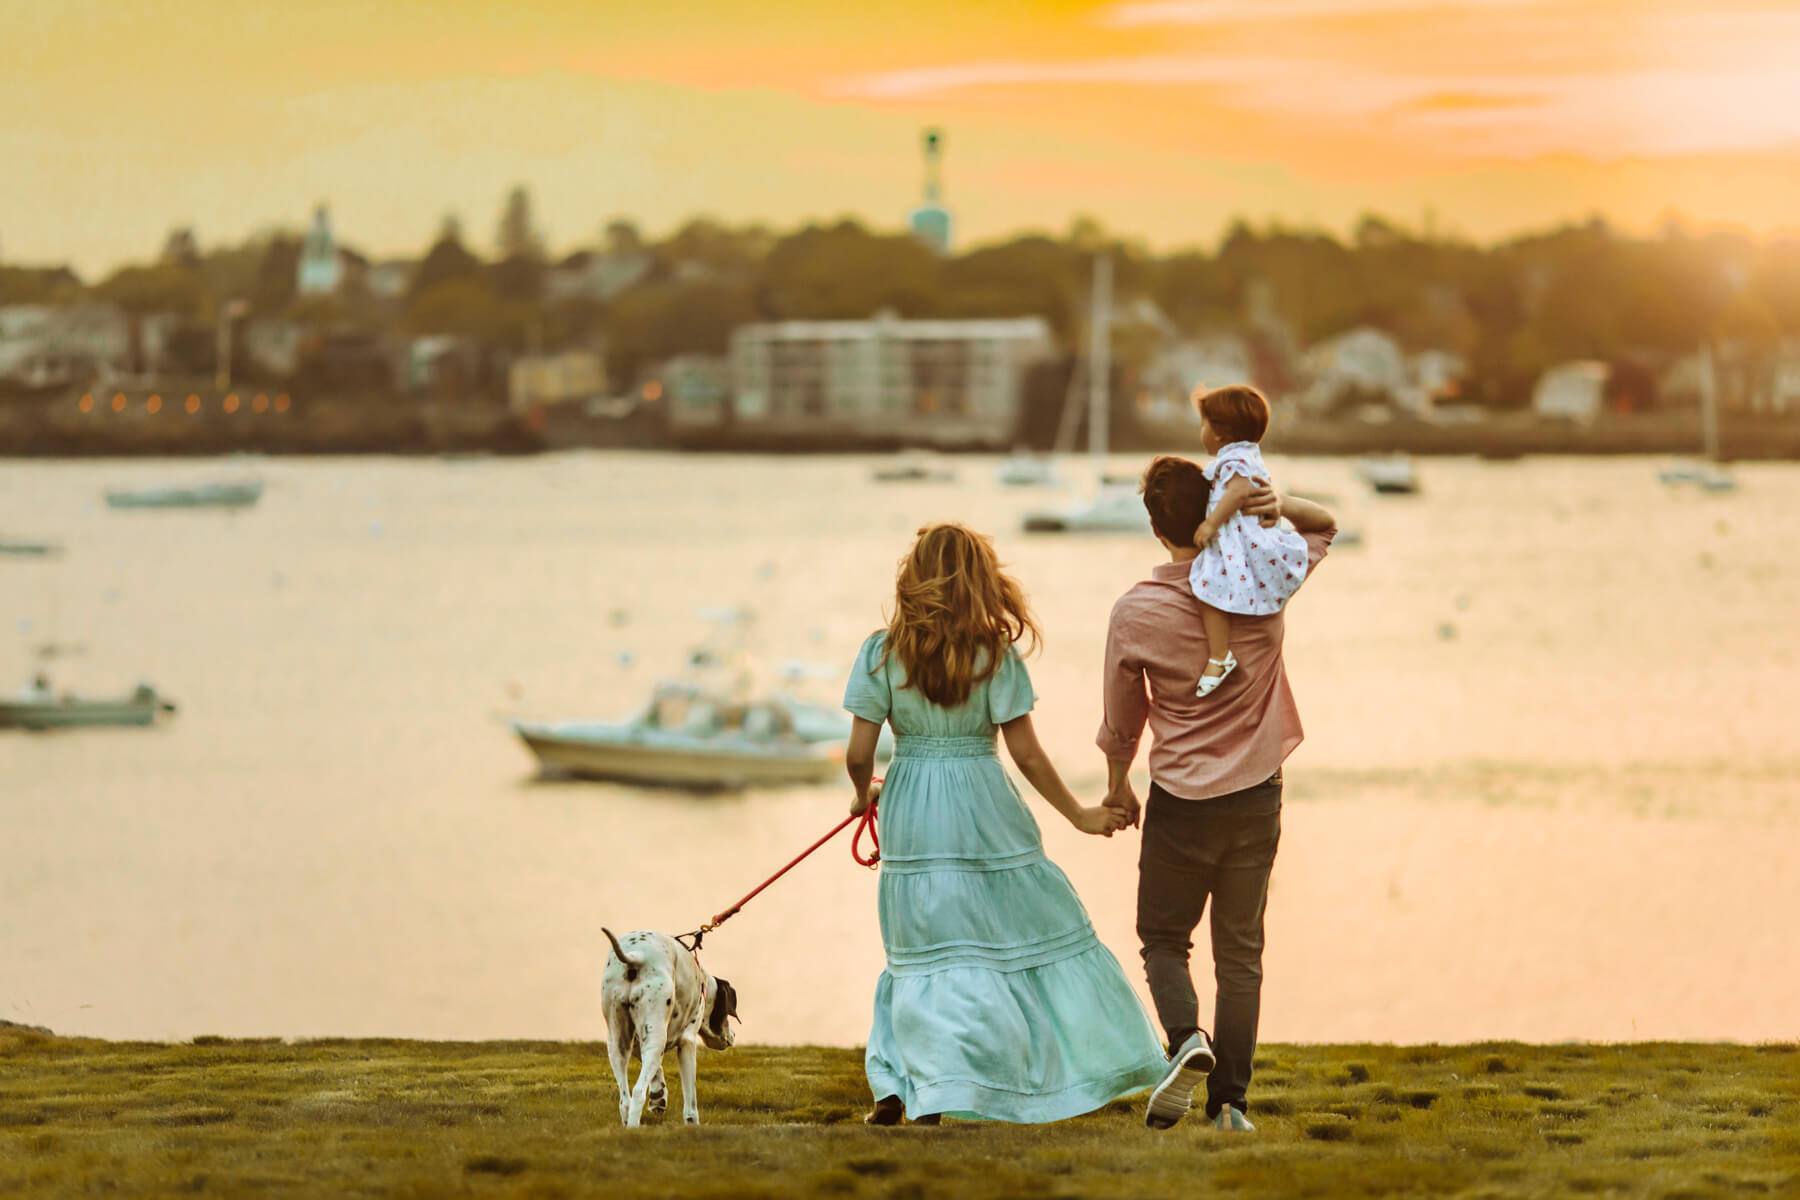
1164, 118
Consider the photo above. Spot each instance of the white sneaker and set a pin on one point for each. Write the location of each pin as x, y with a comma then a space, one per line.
1232, 1120
1209, 683
1170, 1100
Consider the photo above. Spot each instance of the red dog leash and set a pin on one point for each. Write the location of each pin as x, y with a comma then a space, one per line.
873, 861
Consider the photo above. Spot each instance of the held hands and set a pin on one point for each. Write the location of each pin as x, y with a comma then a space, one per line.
860, 804
1099, 820
1123, 801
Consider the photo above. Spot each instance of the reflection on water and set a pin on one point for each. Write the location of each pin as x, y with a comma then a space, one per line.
1548, 789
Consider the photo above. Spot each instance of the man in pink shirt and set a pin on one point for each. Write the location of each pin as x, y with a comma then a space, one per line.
1213, 817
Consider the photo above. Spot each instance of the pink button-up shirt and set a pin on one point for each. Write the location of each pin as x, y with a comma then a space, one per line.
1202, 746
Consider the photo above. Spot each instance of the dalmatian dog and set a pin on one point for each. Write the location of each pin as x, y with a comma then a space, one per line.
653, 993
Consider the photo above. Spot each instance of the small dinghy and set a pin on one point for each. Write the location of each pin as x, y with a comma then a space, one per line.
37, 708
239, 494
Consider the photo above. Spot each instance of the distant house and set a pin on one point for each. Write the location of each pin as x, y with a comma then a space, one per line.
1784, 384
390, 279
591, 275
1572, 391
547, 379
274, 344
1210, 361
1433, 380
1364, 363
42, 345
694, 388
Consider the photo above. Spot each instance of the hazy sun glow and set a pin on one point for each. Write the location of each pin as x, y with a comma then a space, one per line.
1163, 117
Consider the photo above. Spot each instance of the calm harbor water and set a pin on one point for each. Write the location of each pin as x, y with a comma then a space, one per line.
1550, 789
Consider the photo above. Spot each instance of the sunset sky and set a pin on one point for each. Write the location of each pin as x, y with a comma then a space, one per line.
1164, 118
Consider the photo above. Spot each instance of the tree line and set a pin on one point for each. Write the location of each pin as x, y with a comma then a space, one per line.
1511, 309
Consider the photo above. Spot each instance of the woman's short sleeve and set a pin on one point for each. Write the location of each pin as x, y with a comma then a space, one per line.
868, 695
1009, 691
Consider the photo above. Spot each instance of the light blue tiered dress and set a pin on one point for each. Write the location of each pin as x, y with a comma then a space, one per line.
998, 1001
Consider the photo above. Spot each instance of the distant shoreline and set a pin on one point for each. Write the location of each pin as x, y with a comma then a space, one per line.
405, 426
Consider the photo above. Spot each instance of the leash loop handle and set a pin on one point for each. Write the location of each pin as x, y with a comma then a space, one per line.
873, 861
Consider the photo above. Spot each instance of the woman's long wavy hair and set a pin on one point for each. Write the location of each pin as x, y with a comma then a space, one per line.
955, 614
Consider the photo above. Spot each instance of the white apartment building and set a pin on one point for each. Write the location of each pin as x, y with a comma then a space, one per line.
943, 383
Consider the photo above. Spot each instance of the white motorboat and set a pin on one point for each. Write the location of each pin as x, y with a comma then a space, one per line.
1114, 508
229, 494
709, 729
39, 709
1027, 470
688, 738
1391, 474
914, 468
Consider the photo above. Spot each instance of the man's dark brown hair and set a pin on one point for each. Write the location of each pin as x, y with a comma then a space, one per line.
1175, 493
1237, 413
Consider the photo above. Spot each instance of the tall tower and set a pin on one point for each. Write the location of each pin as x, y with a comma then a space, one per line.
930, 222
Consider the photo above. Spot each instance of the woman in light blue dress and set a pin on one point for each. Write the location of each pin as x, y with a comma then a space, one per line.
998, 1001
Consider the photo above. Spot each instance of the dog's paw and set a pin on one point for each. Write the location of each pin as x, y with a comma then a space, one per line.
692, 1118
657, 1102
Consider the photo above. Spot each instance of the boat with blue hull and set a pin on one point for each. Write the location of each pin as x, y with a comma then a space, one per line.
236, 494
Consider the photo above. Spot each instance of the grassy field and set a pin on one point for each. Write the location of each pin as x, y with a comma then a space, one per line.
540, 1119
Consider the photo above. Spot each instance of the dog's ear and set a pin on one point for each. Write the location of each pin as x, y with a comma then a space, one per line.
724, 1003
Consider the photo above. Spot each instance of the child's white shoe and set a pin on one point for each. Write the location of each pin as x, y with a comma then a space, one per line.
1226, 666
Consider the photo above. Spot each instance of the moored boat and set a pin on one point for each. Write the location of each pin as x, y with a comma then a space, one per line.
688, 738
914, 468
1391, 474
45, 711
28, 548
1026, 470
229, 494
1115, 508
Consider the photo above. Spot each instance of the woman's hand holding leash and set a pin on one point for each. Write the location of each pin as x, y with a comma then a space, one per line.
861, 802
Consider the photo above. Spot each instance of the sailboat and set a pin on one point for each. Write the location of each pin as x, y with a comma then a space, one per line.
1114, 506
1707, 472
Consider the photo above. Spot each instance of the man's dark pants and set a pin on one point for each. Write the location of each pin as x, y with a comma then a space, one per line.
1221, 848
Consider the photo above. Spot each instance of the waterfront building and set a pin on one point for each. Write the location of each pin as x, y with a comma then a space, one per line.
390, 278
42, 344
694, 388
546, 379
1363, 365
940, 383
1572, 391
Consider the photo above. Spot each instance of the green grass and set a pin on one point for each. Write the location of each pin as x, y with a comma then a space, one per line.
540, 1119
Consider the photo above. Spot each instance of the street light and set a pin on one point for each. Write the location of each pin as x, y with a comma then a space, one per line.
232, 311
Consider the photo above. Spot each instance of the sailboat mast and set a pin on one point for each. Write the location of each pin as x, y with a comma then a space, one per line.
1709, 407
1099, 363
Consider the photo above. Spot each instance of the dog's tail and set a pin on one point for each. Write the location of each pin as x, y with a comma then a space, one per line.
631, 964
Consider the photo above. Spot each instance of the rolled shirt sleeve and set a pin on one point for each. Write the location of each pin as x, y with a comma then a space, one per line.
1125, 701
1317, 544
